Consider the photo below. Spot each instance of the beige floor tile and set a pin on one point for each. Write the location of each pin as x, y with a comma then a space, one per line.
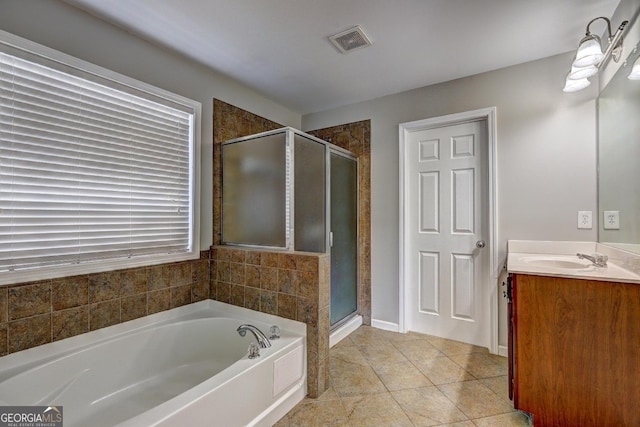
501, 360
352, 379
460, 424
442, 370
470, 389
350, 354
450, 347
394, 337
475, 399
345, 342
480, 365
401, 376
513, 419
417, 349
366, 335
379, 410
428, 406
499, 385
329, 394
381, 353
320, 413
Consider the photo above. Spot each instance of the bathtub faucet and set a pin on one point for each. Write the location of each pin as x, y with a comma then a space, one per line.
262, 339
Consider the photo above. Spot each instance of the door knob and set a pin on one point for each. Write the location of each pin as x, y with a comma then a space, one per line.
480, 244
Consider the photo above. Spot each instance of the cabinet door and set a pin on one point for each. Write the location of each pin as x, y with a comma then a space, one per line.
576, 347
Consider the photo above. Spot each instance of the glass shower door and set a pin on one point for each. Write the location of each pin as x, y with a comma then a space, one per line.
344, 226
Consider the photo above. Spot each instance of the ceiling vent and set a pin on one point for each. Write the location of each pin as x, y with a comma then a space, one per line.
350, 40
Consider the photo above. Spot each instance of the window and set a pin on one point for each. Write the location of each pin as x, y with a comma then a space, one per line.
97, 170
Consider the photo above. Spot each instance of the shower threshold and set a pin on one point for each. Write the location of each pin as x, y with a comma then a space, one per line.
344, 329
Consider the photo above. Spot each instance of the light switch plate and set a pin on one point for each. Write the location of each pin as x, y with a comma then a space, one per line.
611, 220
585, 219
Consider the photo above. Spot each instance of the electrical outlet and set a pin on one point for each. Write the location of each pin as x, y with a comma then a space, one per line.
611, 220
585, 219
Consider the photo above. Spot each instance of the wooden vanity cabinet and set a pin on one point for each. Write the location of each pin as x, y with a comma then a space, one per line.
574, 351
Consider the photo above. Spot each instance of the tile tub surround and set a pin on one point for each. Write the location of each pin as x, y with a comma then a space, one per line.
293, 285
381, 378
36, 313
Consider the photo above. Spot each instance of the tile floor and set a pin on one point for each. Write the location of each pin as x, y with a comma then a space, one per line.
381, 378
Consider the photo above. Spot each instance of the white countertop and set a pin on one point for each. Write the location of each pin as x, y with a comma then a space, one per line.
559, 259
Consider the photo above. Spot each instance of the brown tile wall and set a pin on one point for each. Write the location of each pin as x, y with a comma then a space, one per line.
41, 312
275, 282
293, 285
230, 122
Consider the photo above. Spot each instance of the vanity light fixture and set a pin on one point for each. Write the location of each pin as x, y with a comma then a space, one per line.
635, 71
578, 73
573, 85
589, 56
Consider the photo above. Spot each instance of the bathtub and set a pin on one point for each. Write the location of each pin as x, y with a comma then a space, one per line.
183, 367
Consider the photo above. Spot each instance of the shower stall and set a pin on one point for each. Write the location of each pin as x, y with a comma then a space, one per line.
288, 190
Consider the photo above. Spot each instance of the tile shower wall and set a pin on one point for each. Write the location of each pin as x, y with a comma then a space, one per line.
230, 122
293, 285
36, 313
356, 137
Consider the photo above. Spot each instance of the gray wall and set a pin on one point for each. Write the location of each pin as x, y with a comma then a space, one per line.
619, 150
59, 26
546, 148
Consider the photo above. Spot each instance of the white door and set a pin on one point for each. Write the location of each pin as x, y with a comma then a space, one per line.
446, 261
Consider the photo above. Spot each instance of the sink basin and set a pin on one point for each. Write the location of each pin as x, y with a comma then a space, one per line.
563, 262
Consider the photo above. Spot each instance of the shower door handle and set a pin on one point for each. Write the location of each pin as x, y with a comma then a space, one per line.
331, 239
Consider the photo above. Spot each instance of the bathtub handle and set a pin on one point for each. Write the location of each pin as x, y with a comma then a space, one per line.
254, 350
275, 332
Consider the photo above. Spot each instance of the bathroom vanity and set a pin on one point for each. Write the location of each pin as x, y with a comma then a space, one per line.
574, 334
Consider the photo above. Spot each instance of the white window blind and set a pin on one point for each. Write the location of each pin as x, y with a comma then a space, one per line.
90, 169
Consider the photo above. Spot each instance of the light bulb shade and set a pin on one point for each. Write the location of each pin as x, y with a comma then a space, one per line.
578, 73
589, 52
635, 70
572, 85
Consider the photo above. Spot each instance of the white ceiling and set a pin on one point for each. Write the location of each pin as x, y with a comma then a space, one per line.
280, 47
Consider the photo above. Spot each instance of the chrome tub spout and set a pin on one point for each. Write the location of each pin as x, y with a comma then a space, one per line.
262, 339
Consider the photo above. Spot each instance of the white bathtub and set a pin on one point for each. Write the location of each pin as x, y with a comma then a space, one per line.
183, 367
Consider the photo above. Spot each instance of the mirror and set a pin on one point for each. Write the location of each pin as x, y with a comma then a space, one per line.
619, 160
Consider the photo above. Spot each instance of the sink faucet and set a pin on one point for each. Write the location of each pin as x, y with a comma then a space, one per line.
598, 260
262, 339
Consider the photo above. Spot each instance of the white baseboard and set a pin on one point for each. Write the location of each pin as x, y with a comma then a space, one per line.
503, 350
343, 331
387, 326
